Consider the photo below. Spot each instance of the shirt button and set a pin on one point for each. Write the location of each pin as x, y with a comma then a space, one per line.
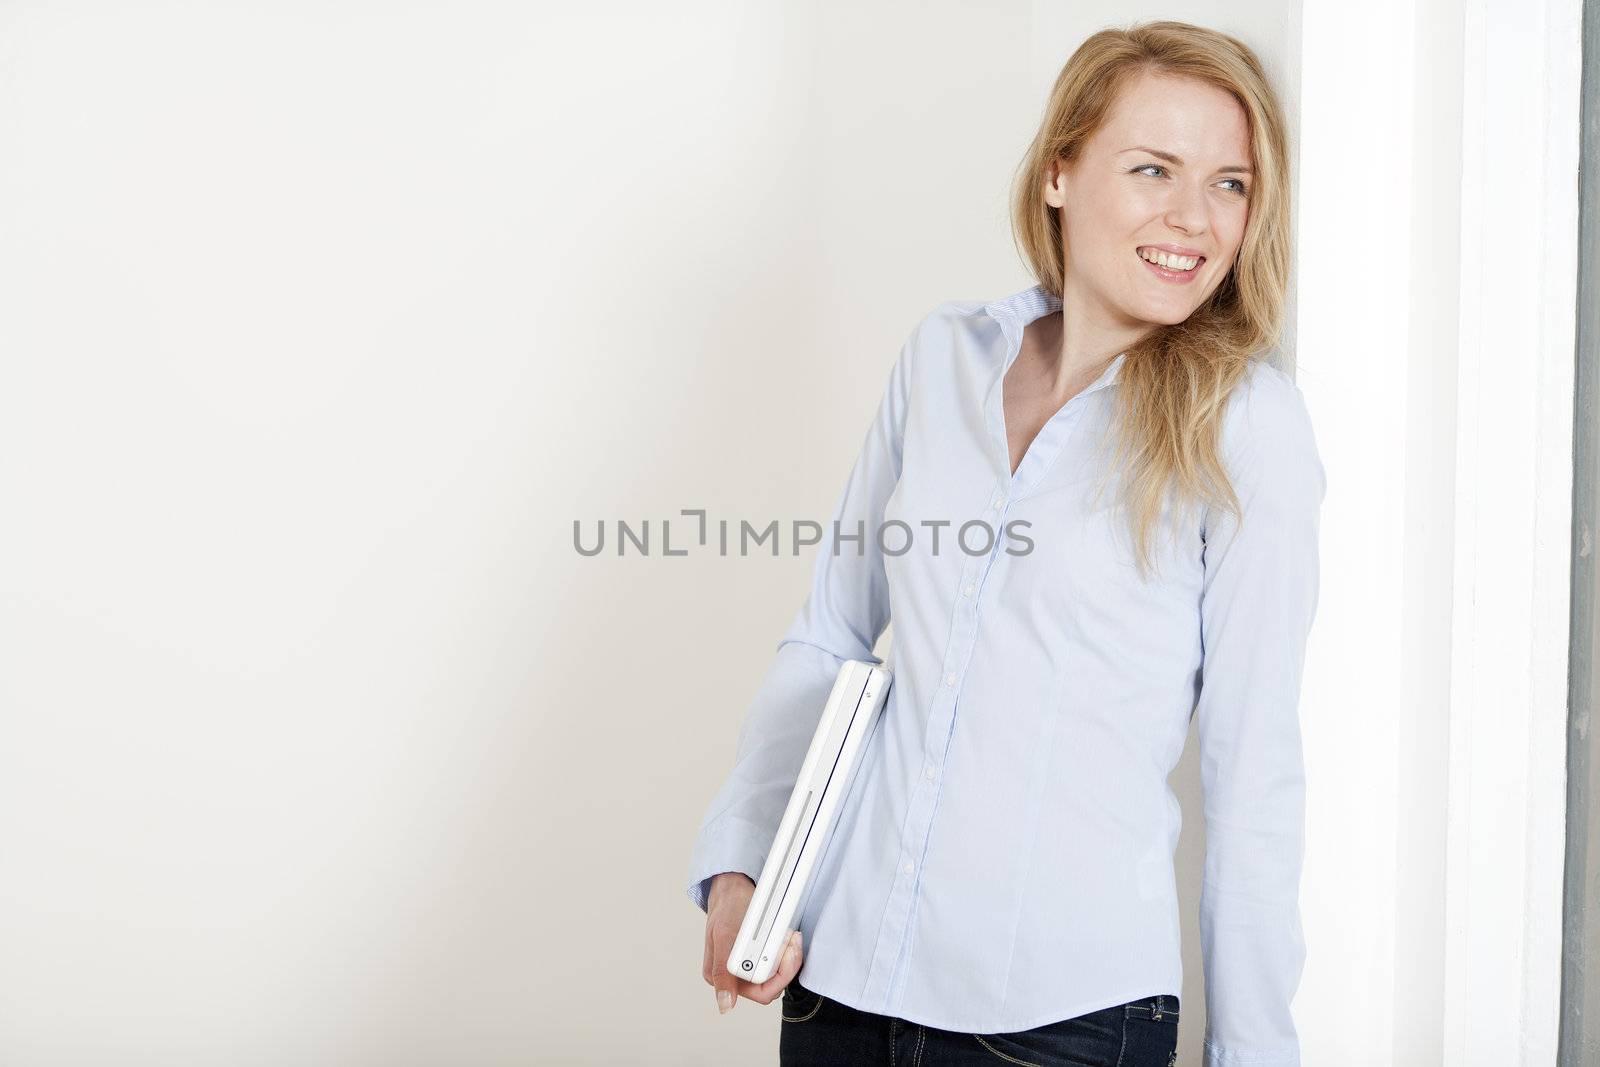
999, 499
968, 590
949, 679
930, 774
909, 868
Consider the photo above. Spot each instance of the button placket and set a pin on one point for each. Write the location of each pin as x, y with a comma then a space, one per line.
884, 975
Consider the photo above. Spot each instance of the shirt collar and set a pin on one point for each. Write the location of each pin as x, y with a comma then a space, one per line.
1017, 310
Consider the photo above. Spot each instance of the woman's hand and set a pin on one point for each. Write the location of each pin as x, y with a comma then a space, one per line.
725, 907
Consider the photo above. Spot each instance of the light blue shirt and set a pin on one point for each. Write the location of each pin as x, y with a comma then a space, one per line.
1004, 858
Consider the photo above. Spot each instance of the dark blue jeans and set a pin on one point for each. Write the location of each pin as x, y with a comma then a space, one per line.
818, 1031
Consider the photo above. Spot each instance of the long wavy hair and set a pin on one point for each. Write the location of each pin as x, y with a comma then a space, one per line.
1174, 383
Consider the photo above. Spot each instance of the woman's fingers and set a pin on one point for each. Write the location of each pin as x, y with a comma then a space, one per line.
729, 900
770, 990
726, 984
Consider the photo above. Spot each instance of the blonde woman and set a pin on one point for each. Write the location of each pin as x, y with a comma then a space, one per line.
1091, 509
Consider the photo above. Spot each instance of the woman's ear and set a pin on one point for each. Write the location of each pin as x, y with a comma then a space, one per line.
1055, 182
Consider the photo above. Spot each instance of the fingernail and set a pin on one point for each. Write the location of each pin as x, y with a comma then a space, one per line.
724, 1001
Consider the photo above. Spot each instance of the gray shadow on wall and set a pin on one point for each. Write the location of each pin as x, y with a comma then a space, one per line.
1189, 867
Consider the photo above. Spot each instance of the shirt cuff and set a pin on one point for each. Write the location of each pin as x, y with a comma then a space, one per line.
1216, 1056
728, 844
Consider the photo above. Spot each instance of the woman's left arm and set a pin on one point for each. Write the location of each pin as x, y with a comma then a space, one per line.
1259, 597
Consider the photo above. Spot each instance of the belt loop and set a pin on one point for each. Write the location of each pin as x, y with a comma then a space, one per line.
1160, 1004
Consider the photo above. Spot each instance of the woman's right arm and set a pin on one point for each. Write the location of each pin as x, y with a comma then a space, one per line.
844, 613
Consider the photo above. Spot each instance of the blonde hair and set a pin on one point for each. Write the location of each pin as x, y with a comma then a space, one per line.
1174, 383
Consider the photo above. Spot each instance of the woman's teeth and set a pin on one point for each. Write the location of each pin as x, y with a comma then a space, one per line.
1169, 261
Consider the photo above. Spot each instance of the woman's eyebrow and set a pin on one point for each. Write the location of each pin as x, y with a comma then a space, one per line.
1237, 168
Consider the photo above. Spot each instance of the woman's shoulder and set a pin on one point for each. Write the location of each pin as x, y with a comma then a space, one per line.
1266, 406
1267, 433
950, 315
933, 341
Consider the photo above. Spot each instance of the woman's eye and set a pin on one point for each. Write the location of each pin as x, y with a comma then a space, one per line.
1238, 183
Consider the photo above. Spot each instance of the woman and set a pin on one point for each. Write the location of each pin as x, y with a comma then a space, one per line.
1000, 886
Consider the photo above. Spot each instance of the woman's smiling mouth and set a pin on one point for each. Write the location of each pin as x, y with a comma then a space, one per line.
1169, 266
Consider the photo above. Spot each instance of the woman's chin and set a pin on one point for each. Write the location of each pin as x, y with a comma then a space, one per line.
1164, 315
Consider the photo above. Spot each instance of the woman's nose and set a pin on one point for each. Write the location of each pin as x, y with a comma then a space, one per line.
1186, 210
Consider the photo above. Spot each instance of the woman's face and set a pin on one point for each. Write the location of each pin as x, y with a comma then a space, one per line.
1167, 172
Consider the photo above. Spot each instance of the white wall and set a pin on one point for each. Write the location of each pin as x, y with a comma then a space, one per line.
1436, 282
1374, 676
319, 326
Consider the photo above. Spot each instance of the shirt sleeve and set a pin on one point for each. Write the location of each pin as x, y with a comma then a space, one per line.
842, 617
1259, 596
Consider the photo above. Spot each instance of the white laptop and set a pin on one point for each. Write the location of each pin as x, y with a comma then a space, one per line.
847, 721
